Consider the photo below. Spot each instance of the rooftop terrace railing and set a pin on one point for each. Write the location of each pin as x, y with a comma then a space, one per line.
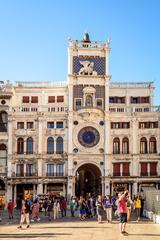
131, 84
93, 44
42, 84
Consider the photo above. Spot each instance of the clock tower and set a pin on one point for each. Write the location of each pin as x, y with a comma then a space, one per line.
88, 117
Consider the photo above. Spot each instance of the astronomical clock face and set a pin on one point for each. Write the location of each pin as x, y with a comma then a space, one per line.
88, 137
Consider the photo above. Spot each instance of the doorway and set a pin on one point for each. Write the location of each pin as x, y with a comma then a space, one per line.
88, 180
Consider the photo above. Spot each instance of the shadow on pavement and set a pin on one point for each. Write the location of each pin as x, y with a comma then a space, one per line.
33, 235
72, 227
144, 234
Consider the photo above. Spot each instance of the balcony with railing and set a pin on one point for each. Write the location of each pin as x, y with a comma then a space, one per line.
55, 174
61, 108
23, 175
118, 109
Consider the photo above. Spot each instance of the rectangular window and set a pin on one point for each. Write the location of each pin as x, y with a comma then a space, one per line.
29, 125
120, 100
99, 103
51, 99
111, 99
144, 171
78, 103
50, 170
50, 124
145, 99
20, 170
134, 100
116, 169
34, 99
125, 125
148, 124
20, 125
29, 170
25, 99
125, 169
115, 125
60, 98
153, 169
120, 125
59, 170
59, 124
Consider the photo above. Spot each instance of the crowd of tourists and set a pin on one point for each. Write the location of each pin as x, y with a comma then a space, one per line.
119, 206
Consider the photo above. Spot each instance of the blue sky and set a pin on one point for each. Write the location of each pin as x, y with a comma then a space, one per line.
33, 37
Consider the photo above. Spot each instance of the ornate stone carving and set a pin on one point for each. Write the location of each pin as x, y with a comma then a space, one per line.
87, 69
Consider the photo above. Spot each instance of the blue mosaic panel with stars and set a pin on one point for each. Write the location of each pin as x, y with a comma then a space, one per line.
99, 64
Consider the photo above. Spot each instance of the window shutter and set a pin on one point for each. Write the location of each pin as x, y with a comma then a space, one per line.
144, 169
51, 99
116, 169
60, 98
34, 99
25, 99
125, 169
153, 169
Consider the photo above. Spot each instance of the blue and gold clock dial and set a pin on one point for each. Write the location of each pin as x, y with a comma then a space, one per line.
88, 137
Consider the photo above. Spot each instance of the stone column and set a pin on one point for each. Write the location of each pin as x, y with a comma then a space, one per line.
107, 150
135, 188
135, 143
64, 190
70, 188
107, 187
70, 62
24, 169
40, 168
34, 191
45, 188
39, 188
40, 132
103, 186
15, 194
107, 51
8, 194
10, 144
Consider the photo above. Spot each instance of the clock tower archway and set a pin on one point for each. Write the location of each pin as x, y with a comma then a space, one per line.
88, 180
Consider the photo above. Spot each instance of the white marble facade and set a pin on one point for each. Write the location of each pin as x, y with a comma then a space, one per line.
87, 113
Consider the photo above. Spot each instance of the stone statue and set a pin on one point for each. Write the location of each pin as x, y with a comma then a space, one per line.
87, 68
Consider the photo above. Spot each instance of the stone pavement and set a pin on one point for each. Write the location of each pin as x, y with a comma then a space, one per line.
73, 229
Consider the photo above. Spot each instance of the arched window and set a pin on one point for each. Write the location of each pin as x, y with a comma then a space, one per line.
20, 146
152, 145
50, 145
143, 145
89, 101
3, 121
59, 145
3, 155
125, 145
116, 146
29, 146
